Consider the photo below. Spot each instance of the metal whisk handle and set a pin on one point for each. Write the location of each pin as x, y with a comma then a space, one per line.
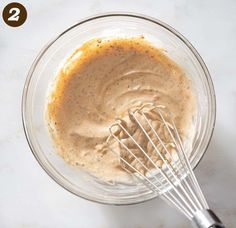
206, 219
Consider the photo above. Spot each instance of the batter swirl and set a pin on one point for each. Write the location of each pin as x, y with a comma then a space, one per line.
101, 81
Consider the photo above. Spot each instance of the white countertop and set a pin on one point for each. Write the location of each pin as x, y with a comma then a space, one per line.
30, 198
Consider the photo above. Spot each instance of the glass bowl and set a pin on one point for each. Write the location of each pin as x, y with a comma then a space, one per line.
43, 72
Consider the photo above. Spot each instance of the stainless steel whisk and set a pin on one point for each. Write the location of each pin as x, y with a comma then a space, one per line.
162, 166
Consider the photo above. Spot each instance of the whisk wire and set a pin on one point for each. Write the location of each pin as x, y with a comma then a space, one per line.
168, 165
192, 176
185, 163
174, 170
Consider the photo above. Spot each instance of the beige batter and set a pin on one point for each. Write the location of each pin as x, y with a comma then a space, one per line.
101, 81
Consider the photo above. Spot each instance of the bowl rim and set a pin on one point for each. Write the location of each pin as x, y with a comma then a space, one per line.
91, 18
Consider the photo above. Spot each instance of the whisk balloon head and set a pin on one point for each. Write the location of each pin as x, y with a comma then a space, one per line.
150, 147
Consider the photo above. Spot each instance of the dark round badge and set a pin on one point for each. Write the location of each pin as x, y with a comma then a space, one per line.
14, 14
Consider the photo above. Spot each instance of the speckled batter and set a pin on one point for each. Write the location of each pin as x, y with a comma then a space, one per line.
101, 81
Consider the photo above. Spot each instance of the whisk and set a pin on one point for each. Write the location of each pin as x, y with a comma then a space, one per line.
150, 147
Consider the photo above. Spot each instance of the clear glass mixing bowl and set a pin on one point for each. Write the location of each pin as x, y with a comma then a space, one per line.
43, 72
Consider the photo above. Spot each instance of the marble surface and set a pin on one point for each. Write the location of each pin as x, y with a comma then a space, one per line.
28, 196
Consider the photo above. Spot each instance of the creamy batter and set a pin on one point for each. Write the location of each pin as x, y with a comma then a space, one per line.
101, 81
